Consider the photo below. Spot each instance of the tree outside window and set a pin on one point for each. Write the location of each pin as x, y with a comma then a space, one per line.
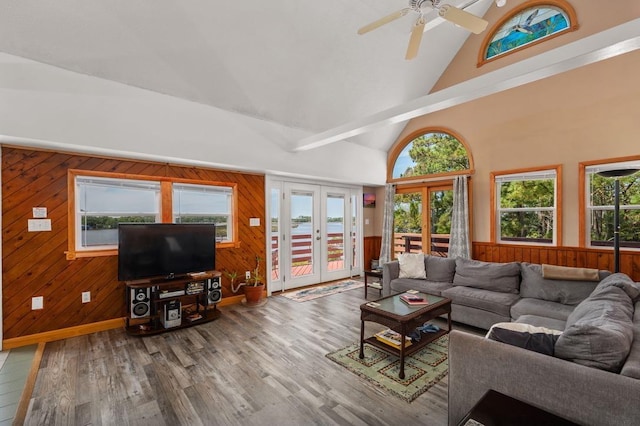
600, 206
526, 207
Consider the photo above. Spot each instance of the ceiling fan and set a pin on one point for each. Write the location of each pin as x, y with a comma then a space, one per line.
453, 14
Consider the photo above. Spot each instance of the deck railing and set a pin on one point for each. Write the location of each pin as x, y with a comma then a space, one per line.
412, 243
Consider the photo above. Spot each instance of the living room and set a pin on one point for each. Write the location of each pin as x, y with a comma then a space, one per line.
56, 120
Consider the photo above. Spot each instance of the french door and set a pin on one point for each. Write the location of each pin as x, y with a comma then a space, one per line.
315, 233
422, 219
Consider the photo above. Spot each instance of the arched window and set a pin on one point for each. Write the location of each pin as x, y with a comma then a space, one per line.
424, 164
533, 22
428, 152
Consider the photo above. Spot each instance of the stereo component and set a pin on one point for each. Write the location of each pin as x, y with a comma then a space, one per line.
140, 302
172, 315
214, 290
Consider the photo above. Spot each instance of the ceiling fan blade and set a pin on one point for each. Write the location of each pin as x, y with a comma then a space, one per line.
416, 38
463, 18
385, 20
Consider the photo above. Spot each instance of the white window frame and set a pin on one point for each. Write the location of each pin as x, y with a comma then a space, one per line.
543, 174
589, 208
94, 181
207, 190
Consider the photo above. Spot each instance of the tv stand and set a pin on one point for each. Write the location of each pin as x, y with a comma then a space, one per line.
160, 304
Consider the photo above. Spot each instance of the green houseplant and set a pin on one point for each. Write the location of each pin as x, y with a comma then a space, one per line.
254, 287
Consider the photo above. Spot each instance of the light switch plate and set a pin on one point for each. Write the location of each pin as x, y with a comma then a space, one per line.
37, 225
37, 302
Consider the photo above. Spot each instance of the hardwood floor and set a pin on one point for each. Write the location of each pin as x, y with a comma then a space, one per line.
253, 366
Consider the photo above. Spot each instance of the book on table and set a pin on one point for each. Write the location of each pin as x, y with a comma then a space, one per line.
392, 338
413, 299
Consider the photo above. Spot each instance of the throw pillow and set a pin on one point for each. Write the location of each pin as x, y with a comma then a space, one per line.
554, 272
537, 339
412, 265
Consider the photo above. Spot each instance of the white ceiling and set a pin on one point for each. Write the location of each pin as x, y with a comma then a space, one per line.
298, 63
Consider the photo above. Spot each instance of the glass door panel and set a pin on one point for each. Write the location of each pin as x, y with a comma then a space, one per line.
407, 223
336, 244
440, 209
302, 235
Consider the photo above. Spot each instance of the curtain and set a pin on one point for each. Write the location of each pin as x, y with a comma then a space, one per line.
459, 245
387, 224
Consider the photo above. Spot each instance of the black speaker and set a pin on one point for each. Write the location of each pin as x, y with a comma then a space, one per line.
140, 302
214, 290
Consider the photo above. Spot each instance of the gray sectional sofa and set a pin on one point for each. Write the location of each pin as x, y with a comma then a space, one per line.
593, 375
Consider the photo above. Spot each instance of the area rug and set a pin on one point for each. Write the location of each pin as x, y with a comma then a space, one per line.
422, 370
322, 290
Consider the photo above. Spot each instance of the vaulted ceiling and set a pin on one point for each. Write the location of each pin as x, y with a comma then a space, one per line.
298, 63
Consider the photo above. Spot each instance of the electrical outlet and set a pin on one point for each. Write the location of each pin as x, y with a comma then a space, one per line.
37, 302
86, 296
247, 275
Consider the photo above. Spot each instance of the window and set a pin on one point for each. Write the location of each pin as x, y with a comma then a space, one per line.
600, 202
204, 204
100, 201
528, 25
429, 152
526, 206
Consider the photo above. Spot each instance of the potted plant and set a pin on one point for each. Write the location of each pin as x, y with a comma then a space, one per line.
232, 275
254, 287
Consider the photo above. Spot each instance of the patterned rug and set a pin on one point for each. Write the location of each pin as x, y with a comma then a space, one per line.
422, 370
322, 290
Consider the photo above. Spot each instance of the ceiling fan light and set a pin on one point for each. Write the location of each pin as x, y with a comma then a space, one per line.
501, 3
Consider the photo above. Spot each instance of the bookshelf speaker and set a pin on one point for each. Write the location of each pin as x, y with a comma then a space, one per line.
140, 302
214, 290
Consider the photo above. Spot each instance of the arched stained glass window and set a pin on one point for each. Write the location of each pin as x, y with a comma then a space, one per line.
430, 153
532, 23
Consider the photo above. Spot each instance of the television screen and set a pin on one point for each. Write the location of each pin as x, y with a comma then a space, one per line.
164, 249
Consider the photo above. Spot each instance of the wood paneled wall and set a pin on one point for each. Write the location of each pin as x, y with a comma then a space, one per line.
564, 256
371, 250
34, 263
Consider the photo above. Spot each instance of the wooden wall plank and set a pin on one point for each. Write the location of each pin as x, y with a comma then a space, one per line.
564, 256
34, 263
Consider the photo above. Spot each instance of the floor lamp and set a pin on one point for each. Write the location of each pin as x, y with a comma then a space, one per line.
616, 174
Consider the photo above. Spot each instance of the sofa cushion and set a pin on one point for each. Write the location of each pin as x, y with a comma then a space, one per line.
486, 300
412, 265
623, 282
541, 308
502, 277
537, 339
631, 366
400, 285
440, 268
568, 292
599, 331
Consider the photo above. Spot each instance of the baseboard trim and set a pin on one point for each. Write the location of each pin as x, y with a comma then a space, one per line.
79, 330
63, 333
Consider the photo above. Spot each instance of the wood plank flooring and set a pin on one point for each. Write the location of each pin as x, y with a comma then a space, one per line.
253, 366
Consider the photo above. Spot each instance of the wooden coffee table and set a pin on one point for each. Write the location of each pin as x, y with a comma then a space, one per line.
402, 318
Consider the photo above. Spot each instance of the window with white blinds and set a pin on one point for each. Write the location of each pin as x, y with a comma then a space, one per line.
103, 203
204, 204
526, 207
103, 200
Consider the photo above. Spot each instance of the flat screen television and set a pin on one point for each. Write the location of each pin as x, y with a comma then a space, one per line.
166, 250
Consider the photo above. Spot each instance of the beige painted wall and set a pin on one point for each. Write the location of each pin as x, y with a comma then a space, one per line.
373, 216
585, 114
